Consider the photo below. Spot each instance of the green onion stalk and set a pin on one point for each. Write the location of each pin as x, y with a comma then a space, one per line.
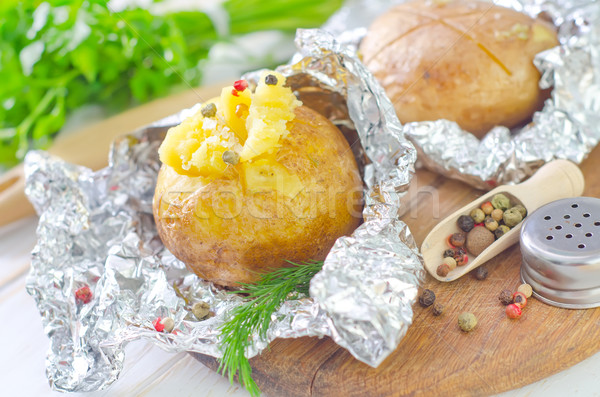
58, 55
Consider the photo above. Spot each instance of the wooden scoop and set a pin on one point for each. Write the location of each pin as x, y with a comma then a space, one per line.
556, 180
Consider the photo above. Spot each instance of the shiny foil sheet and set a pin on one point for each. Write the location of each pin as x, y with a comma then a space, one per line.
96, 229
568, 127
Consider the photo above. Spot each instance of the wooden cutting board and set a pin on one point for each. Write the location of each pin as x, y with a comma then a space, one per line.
435, 357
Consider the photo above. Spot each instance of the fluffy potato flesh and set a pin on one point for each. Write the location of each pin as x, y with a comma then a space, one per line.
292, 188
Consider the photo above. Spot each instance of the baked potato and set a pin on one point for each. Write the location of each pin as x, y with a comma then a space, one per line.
466, 61
252, 181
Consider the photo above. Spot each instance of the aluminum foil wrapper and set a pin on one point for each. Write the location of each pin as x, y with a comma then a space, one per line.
96, 229
567, 127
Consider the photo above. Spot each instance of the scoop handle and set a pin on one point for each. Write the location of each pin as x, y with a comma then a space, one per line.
556, 180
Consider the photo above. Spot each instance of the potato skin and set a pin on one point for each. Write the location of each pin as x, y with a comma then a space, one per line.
465, 61
228, 234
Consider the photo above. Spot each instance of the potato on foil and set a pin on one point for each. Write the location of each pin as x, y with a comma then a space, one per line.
253, 180
462, 60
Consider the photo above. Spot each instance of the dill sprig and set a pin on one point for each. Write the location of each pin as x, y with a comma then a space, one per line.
265, 297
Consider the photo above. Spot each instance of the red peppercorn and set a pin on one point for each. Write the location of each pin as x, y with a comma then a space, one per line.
487, 207
83, 294
457, 239
234, 92
520, 299
460, 257
240, 85
160, 327
513, 311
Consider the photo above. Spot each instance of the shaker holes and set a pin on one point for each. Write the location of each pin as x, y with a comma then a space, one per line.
581, 246
549, 237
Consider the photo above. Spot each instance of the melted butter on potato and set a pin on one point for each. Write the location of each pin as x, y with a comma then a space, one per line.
249, 124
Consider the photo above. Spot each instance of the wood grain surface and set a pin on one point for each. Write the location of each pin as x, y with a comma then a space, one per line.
435, 357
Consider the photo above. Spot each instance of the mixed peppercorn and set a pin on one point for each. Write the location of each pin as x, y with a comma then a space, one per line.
478, 230
515, 302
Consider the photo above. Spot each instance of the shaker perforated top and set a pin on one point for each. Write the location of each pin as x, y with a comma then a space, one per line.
560, 244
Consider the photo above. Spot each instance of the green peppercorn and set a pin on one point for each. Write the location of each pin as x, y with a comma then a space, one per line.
210, 110
467, 321
477, 215
501, 201
490, 224
501, 231
521, 209
201, 310
512, 217
231, 157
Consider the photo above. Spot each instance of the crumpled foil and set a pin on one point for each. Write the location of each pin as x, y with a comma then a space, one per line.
568, 127
97, 229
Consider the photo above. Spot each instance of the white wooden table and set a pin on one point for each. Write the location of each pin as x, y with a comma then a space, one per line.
148, 370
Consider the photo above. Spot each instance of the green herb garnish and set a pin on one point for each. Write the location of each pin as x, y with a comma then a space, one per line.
266, 296
58, 55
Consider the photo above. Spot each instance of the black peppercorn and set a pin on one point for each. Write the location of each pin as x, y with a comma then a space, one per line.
437, 309
505, 297
449, 253
480, 273
209, 110
270, 80
465, 223
427, 298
